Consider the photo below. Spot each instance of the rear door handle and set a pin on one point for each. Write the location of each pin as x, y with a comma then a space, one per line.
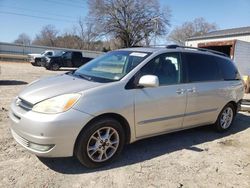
191, 90
180, 91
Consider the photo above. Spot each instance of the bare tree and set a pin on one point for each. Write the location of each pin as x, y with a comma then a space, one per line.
131, 21
87, 32
47, 36
197, 27
68, 40
23, 38
90, 34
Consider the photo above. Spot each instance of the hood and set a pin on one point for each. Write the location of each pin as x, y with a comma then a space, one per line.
53, 86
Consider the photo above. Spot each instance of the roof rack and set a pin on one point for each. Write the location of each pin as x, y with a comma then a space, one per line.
174, 46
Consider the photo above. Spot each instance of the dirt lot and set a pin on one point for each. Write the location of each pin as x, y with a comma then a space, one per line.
194, 158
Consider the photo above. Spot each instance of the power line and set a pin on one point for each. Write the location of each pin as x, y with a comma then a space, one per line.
72, 2
38, 17
37, 11
64, 4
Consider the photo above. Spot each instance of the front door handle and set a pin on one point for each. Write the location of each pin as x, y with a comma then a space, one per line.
180, 91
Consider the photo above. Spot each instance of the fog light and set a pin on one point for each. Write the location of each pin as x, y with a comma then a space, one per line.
40, 147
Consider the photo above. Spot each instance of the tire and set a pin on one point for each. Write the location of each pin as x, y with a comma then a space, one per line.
225, 118
34, 64
37, 62
55, 67
90, 148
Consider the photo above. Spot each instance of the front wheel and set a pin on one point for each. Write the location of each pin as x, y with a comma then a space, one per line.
225, 118
35, 63
100, 143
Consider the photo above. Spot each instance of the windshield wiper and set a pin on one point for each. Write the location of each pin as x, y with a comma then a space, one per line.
85, 77
70, 72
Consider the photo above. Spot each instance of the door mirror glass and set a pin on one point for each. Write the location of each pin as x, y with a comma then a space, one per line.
149, 81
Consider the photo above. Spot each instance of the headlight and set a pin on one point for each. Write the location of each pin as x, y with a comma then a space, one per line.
57, 104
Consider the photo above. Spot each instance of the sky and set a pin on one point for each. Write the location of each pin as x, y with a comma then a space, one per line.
29, 16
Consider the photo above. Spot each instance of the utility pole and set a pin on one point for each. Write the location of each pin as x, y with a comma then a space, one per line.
156, 27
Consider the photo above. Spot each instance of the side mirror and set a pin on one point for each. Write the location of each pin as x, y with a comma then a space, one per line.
149, 81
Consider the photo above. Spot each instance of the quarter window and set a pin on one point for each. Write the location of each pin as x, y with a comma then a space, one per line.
228, 69
67, 55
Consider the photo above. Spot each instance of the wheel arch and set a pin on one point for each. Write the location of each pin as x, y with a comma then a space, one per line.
235, 105
118, 117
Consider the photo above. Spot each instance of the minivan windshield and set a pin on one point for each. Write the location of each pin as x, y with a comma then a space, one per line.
111, 66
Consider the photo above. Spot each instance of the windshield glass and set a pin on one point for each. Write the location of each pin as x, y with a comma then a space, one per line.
112, 66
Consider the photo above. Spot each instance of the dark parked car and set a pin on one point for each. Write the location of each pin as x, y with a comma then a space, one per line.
65, 59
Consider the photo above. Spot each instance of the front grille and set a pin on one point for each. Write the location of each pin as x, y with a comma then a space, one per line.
24, 104
20, 140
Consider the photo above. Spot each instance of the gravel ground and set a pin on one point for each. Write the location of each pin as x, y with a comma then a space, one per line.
194, 158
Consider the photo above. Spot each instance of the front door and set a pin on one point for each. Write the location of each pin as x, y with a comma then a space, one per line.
161, 109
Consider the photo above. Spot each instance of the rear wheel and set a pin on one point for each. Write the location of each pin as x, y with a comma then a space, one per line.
55, 67
225, 118
100, 143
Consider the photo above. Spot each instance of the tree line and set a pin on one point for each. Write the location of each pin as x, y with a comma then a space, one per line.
112, 24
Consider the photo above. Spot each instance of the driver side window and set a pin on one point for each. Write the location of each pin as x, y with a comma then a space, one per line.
166, 67
48, 53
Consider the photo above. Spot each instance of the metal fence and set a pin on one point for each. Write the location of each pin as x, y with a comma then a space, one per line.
19, 49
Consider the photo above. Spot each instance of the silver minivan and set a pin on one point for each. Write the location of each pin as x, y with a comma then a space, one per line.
124, 96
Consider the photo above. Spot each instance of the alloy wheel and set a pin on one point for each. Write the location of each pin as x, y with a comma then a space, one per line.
103, 144
226, 117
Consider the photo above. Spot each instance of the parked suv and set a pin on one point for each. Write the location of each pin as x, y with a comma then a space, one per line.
65, 59
124, 96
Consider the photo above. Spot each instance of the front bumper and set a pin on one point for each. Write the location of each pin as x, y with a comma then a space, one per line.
47, 135
31, 60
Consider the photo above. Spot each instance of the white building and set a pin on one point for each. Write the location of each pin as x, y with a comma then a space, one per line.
221, 40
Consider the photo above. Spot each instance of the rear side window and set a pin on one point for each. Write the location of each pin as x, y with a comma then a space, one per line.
67, 55
201, 68
228, 69
76, 55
